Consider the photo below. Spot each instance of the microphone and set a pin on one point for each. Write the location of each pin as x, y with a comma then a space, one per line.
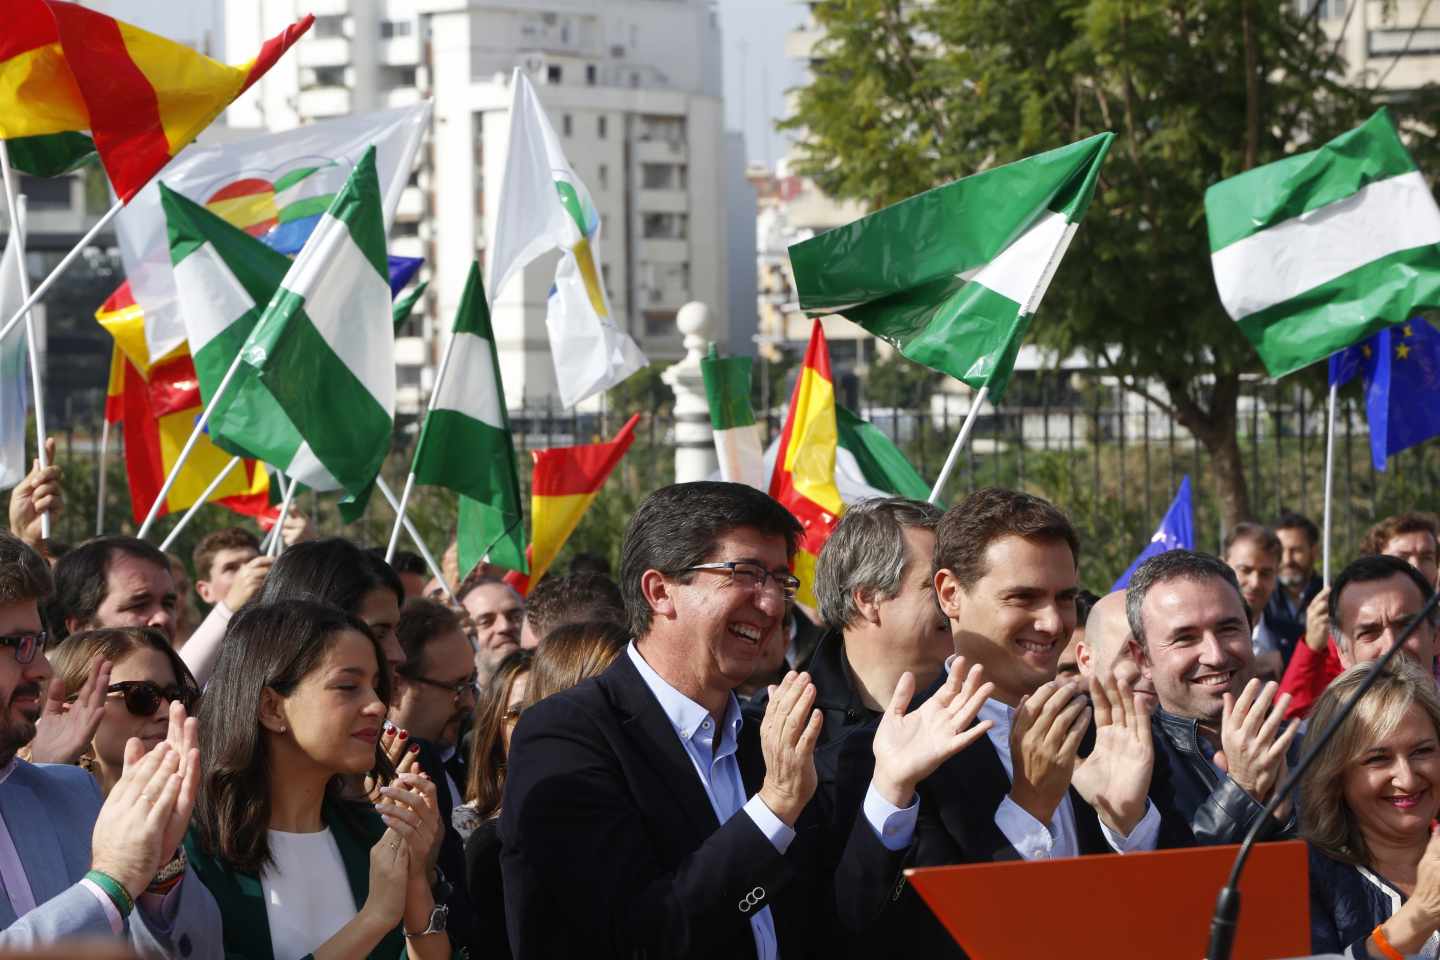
1227, 905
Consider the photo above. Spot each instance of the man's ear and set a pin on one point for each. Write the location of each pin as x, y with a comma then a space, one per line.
73, 625
272, 711
866, 604
202, 588
659, 593
1084, 658
948, 593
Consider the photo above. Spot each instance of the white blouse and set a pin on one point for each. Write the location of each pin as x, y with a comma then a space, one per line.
307, 893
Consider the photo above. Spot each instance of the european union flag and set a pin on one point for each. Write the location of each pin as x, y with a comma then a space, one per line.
1176, 532
1402, 388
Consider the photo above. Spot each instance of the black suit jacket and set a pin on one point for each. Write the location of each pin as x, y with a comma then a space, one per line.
610, 847
463, 927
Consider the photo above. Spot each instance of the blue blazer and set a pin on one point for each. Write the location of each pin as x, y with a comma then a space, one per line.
1347, 903
50, 812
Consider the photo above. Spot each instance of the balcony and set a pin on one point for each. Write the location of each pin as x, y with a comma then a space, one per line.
410, 352
323, 52
663, 251
662, 201
323, 102
660, 151
402, 97
400, 51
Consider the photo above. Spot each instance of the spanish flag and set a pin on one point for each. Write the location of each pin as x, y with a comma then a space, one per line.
804, 477
68, 69
158, 402
565, 483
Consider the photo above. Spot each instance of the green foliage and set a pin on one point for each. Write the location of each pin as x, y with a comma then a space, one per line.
896, 382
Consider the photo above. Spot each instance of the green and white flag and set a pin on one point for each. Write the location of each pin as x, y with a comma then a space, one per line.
877, 461
401, 311
465, 443
223, 279
737, 435
1320, 250
325, 346
953, 276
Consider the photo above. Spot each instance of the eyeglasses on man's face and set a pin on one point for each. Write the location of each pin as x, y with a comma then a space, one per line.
25, 644
751, 575
469, 686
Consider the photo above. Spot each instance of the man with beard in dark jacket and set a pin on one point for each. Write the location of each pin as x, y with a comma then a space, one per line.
1220, 738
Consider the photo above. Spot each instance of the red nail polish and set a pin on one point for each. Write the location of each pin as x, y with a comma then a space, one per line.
404, 734
414, 748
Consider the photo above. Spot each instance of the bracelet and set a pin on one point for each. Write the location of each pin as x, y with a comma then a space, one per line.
114, 889
1378, 935
169, 874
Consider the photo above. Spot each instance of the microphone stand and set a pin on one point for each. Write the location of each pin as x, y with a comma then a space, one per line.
1227, 905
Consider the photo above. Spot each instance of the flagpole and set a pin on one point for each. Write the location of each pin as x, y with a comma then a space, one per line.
60, 268
195, 507
959, 444
284, 486
189, 444
435, 570
1329, 475
100, 482
277, 538
410, 480
17, 209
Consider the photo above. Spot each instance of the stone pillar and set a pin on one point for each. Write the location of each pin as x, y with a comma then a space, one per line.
694, 440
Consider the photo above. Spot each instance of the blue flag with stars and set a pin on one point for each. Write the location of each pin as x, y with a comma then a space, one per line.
1176, 532
1402, 388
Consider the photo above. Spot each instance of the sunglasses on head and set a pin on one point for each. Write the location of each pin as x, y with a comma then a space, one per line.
142, 697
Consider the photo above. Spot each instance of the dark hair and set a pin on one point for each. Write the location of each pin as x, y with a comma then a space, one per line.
230, 538
81, 579
475, 579
332, 570
486, 785
1401, 523
572, 653
24, 574
585, 561
1174, 565
72, 658
1084, 602
573, 598
866, 552
420, 622
1290, 520
967, 529
1255, 532
676, 527
1368, 569
406, 562
275, 646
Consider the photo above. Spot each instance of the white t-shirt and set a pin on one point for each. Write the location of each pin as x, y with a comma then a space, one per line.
307, 894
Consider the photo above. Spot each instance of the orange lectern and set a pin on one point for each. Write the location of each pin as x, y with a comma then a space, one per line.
1142, 905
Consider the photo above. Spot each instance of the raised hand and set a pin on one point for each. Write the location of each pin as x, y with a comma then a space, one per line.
131, 831
910, 746
39, 493
248, 581
408, 806
787, 739
1254, 738
1115, 778
297, 527
1317, 622
183, 737
64, 731
1418, 918
389, 875
1044, 738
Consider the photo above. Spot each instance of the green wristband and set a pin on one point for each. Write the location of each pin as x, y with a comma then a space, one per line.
114, 889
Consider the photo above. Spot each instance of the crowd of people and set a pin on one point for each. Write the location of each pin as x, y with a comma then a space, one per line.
337, 760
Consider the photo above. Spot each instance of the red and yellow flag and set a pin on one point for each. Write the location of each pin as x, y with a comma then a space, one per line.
159, 402
66, 69
804, 477
565, 483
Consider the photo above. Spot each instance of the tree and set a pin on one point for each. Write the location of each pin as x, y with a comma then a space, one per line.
907, 96
896, 382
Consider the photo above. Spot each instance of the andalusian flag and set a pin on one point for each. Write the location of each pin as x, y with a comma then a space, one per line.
737, 435
565, 482
1320, 250
804, 477
401, 311
224, 278
953, 276
15, 393
544, 206
158, 402
465, 443
325, 345
67, 69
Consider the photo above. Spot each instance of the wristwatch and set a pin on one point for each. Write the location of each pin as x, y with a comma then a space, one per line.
438, 918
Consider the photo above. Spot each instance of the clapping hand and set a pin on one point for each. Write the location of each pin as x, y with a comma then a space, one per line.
910, 746
1115, 778
1254, 738
408, 807
64, 731
1044, 739
788, 734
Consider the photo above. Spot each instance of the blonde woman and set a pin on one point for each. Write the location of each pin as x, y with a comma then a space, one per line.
1368, 808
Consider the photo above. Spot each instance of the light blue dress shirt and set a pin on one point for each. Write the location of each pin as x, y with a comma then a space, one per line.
719, 771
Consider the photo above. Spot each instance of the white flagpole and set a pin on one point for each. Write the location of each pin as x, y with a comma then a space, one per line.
60, 268
1329, 475
410, 480
16, 207
959, 444
277, 539
274, 528
189, 444
195, 507
100, 482
415, 536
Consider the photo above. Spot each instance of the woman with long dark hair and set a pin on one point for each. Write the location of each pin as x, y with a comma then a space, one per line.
294, 709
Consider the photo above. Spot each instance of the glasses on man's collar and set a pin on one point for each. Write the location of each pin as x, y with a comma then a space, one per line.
744, 573
25, 644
